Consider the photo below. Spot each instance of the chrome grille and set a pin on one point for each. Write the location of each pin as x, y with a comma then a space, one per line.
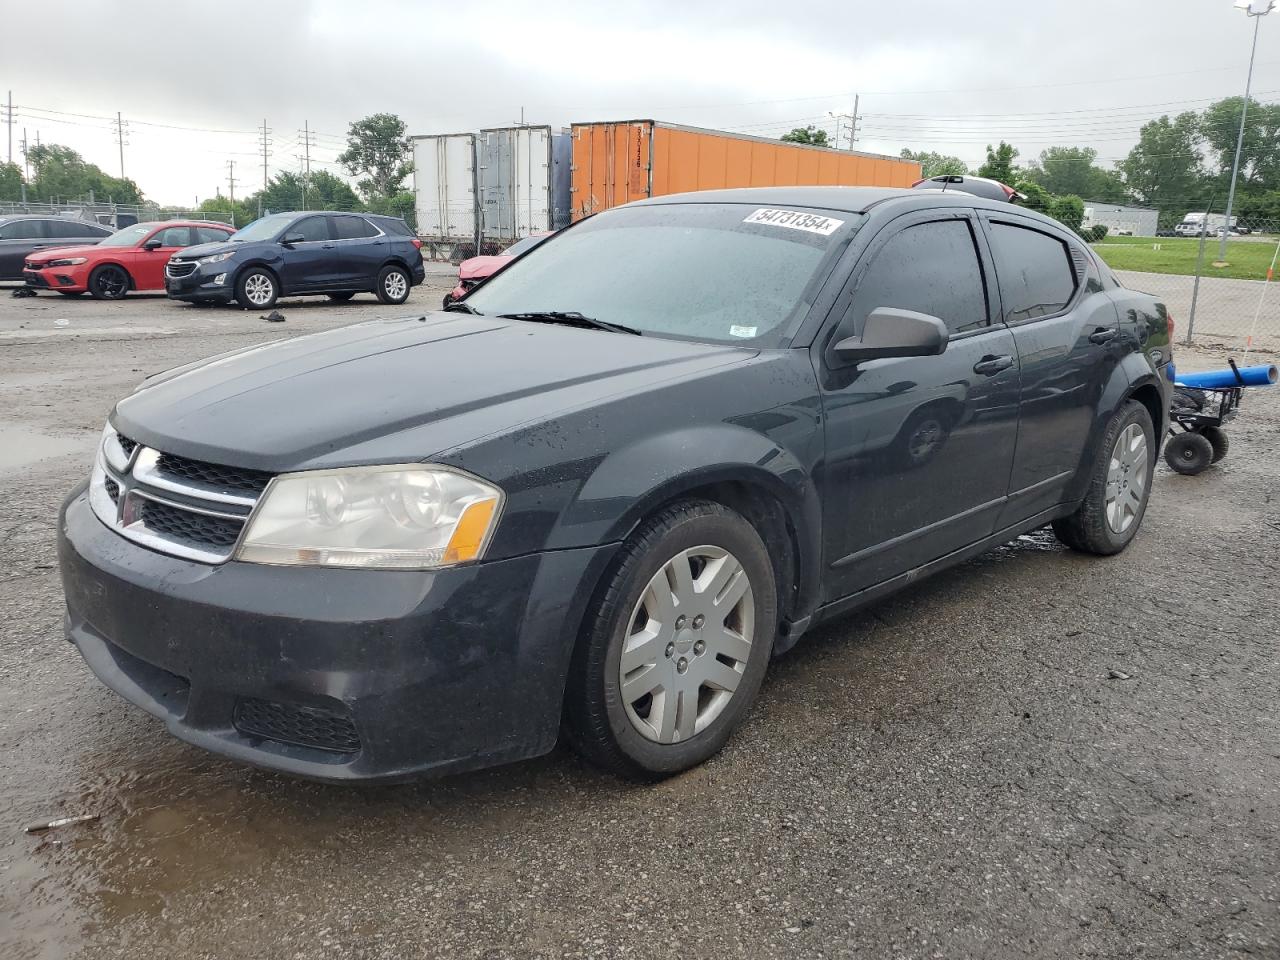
188, 508
179, 268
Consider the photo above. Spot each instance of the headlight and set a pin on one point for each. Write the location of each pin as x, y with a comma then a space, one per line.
68, 262
217, 257
407, 517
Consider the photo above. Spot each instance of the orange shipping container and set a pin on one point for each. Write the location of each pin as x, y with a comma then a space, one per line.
616, 162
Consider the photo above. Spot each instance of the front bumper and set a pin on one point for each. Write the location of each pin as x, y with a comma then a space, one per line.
420, 672
55, 278
210, 283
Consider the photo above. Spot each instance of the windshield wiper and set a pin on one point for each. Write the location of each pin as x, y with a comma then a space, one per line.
573, 319
459, 307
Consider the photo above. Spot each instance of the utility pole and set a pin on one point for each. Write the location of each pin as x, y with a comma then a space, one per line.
853, 123
1256, 10
26, 167
8, 117
308, 140
231, 188
121, 126
266, 152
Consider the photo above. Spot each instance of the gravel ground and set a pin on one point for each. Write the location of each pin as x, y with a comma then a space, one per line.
1037, 754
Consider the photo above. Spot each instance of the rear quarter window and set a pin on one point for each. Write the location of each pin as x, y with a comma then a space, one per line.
395, 227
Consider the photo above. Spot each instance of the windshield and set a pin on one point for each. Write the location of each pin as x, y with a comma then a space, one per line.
718, 272
263, 229
128, 237
522, 246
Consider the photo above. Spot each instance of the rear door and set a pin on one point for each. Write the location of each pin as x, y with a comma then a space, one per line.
309, 264
918, 448
148, 264
17, 239
1066, 331
360, 248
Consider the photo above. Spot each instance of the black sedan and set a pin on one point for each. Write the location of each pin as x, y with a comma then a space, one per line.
604, 490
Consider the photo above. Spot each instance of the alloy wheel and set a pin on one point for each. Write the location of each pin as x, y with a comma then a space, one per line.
259, 289
112, 283
687, 644
395, 285
1126, 478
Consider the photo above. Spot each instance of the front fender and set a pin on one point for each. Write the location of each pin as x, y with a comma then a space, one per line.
633, 481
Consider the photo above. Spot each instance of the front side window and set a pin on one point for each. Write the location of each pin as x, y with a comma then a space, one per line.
20, 230
717, 272
930, 268
1037, 277
310, 229
174, 237
353, 228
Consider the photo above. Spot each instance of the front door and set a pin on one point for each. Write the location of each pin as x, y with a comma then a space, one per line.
308, 263
1067, 334
918, 449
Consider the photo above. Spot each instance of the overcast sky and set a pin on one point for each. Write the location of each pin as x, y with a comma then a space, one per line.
1047, 72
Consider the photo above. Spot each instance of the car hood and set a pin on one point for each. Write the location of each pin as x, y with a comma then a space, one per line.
395, 390
477, 268
207, 249
58, 253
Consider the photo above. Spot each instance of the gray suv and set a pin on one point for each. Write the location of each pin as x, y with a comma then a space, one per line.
23, 234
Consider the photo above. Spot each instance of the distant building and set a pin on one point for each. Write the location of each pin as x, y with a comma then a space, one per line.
1121, 220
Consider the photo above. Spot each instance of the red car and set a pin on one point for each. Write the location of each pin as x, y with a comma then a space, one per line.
129, 259
471, 272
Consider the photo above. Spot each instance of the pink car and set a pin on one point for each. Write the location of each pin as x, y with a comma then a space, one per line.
471, 272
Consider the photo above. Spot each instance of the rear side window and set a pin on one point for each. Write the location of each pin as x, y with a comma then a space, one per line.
21, 230
311, 229
210, 235
395, 227
930, 268
353, 228
1037, 278
67, 229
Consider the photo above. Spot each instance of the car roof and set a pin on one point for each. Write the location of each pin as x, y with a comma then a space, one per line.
9, 217
847, 199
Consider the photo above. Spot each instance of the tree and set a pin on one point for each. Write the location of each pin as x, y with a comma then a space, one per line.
936, 164
60, 173
238, 214
1037, 197
402, 205
378, 150
324, 192
999, 165
10, 181
1068, 211
1071, 170
1260, 151
809, 134
1165, 169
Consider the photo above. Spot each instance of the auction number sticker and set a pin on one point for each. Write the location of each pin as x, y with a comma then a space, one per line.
795, 220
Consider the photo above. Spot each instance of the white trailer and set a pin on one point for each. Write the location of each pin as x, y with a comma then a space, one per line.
445, 196
523, 177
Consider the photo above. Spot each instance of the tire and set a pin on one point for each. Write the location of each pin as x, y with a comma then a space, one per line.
448, 299
71, 293
394, 285
257, 289
649, 738
1106, 526
341, 297
109, 282
1189, 453
1217, 438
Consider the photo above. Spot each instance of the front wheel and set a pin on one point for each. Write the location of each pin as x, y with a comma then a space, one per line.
393, 285
1116, 501
256, 290
109, 282
676, 644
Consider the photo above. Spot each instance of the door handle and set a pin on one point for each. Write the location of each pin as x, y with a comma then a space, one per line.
327, 246
1103, 335
989, 366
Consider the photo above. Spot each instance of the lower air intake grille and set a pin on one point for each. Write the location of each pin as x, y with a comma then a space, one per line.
192, 527
304, 726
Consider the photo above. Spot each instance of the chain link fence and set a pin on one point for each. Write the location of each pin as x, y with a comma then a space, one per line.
110, 214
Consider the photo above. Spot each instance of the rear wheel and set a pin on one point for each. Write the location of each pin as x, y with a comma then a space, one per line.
1188, 453
341, 297
256, 289
1217, 438
1111, 512
393, 285
676, 645
109, 282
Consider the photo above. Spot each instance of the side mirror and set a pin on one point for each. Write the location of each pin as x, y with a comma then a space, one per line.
890, 332
290, 239
151, 244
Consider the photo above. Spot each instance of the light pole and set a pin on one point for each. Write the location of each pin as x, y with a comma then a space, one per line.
1256, 9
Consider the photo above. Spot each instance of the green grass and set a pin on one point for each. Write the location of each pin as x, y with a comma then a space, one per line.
1247, 259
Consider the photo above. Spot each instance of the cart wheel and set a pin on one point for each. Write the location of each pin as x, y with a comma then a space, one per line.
1217, 438
1188, 453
